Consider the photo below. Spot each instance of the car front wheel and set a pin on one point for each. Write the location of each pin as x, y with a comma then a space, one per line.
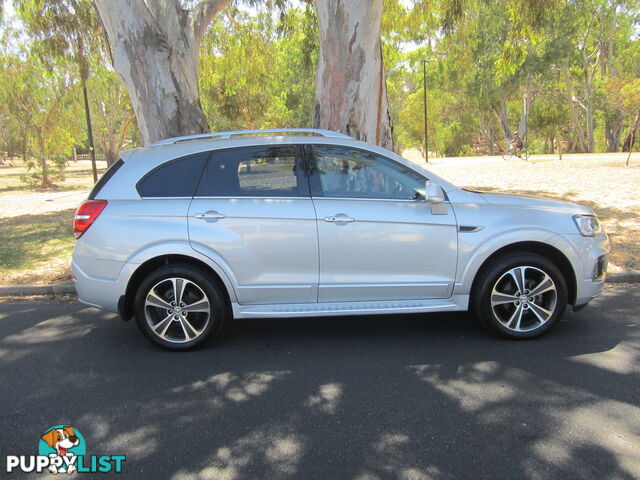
520, 296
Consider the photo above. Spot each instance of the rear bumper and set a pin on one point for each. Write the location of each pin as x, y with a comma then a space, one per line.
97, 292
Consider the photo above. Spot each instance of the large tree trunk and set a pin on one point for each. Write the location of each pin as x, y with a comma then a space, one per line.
154, 48
351, 94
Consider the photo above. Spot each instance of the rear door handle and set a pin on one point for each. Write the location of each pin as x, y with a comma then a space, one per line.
339, 218
210, 215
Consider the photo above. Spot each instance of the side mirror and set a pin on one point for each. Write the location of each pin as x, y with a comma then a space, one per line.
434, 193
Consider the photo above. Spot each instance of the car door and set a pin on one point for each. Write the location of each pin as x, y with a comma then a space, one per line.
252, 209
378, 237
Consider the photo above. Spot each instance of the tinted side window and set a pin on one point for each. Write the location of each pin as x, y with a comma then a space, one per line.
106, 176
351, 173
273, 171
176, 178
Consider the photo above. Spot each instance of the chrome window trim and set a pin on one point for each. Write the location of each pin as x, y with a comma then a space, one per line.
362, 199
408, 200
255, 197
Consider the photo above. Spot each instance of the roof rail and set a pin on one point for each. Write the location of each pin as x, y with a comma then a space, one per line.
227, 135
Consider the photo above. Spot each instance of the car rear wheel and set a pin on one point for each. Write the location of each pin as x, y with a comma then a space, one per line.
520, 296
178, 307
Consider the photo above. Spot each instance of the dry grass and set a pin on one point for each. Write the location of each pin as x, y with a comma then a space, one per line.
600, 182
35, 225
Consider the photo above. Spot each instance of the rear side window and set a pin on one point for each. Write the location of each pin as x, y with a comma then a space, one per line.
177, 178
106, 176
272, 171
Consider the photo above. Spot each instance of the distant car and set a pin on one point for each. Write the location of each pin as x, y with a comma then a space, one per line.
193, 231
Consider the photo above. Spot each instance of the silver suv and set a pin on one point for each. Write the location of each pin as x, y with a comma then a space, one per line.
193, 231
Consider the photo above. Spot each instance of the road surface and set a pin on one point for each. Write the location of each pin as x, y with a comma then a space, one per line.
398, 397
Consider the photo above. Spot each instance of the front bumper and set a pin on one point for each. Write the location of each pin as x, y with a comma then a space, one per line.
593, 254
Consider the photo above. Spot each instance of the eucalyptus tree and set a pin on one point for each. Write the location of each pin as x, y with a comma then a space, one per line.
351, 94
154, 48
114, 120
64, 29
41, 99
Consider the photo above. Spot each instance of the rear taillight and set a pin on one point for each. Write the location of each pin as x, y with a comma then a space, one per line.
86, 214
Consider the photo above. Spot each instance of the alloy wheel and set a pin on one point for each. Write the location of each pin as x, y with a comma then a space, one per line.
524, 298
177, 310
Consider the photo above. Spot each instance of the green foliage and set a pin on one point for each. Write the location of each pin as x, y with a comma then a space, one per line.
577, 63
61, 28
484, 57
257, 70
38, 98
44, 114
113, 119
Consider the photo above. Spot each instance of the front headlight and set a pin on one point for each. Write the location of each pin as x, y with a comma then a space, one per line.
588, 225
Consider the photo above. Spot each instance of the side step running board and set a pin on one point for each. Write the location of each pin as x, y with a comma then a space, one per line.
350, 308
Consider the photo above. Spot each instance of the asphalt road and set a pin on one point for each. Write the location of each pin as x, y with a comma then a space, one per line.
402, 397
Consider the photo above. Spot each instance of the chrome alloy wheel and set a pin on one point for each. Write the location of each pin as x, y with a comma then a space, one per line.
524, 298
177, 310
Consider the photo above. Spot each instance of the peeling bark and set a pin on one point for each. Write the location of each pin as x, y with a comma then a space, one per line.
154, 47
351, 94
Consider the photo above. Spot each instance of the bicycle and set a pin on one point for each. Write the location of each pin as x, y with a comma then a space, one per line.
510, 152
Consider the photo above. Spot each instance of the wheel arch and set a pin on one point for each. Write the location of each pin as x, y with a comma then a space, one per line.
125, 304
543, 249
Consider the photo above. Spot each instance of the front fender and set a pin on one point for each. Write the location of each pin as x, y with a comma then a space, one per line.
473, 254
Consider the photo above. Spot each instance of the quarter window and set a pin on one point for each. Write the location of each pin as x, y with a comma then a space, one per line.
106, 176
177, 178
254, 171
347, 172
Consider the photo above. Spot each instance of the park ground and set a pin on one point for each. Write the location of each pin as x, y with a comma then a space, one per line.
35, 225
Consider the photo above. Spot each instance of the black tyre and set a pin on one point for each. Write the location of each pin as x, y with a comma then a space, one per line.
520, 295
508, 155
178, 306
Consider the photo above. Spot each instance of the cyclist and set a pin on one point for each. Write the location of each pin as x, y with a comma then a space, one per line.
516, 143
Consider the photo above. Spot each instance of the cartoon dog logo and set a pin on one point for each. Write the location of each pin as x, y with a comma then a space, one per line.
61, 439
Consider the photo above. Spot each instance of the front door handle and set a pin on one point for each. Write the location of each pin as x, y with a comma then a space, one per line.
339, 218
210, 215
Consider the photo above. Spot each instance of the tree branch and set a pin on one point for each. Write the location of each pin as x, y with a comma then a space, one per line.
202, 15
